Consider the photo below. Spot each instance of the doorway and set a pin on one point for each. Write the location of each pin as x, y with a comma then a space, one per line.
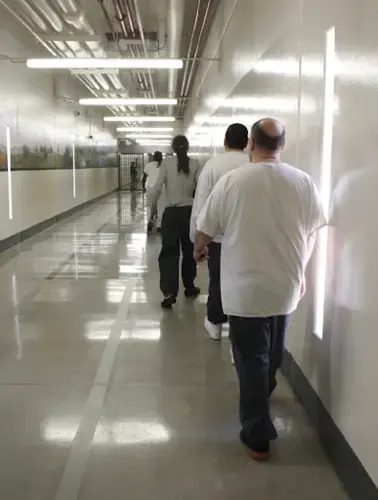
131, 168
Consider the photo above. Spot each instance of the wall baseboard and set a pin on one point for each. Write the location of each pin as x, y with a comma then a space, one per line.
351, 472
17, 238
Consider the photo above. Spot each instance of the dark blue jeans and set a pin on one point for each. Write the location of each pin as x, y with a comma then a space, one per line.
215, 312
258, 345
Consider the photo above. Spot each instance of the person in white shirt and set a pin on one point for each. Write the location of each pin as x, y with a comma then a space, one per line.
268, 213
235, 142
151, 172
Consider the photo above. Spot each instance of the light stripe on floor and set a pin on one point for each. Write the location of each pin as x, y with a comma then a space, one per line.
69, 487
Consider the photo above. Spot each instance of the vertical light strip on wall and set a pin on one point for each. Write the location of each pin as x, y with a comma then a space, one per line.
299, 105
73, 170
9, 165
300, 65
325, 181
16, 317
75, 252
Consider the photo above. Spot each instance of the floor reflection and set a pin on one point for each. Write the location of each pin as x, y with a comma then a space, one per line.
91, 366
131, 432
99, 330
109, 433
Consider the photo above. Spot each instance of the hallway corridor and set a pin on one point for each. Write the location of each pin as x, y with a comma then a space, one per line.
105, 396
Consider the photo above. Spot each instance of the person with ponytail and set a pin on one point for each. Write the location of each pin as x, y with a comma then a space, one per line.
178, 175
151, 174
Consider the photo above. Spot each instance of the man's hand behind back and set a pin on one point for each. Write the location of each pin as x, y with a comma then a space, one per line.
200, 254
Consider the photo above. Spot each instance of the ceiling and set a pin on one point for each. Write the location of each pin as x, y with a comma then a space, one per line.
113, 28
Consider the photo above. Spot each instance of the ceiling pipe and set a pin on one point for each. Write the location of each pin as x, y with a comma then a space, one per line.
74, 16
63, 49
195, 56
78, 49
102, 81
129, 15
55, 22
111, 27
50, 14
161, 34
78, 20
141, 33
136, 51
48, 46
189, 53
121, 18
109, 22
175, 24
93, 82
32, 15
67, 6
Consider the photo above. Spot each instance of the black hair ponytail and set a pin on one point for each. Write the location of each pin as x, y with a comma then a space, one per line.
158, 157
180, 146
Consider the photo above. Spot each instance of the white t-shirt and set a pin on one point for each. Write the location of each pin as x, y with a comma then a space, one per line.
267, 213
213, 170
152, 172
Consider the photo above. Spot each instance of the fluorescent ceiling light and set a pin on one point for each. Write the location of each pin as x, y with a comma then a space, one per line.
146, 137
144, 129
103, 63
139, 119
107, 101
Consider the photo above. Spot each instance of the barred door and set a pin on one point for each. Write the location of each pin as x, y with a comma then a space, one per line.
131, 171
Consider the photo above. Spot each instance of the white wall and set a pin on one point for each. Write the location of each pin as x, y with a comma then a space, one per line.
41, 194
258, 55
40, 108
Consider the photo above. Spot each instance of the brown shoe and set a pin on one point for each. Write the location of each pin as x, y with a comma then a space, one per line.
259, 450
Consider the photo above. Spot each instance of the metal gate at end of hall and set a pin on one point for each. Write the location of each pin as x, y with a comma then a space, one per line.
131, 168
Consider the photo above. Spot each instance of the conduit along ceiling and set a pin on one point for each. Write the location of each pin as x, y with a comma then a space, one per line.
126, 33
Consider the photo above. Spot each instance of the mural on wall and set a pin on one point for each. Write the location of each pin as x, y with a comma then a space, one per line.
43, 133
46, 157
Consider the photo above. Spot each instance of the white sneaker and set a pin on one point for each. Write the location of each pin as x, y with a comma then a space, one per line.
215, 331
232, 355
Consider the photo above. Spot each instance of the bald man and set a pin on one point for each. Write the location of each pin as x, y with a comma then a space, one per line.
268, 213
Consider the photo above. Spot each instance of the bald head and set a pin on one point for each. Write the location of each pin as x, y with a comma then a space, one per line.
268, 134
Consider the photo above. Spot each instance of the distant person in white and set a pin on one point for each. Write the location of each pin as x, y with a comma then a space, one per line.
269, 214
235, 142
151, 171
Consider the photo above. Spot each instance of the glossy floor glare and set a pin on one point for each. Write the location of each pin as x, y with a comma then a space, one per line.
104, 395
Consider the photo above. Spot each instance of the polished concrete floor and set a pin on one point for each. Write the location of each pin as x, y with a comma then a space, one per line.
105, 396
